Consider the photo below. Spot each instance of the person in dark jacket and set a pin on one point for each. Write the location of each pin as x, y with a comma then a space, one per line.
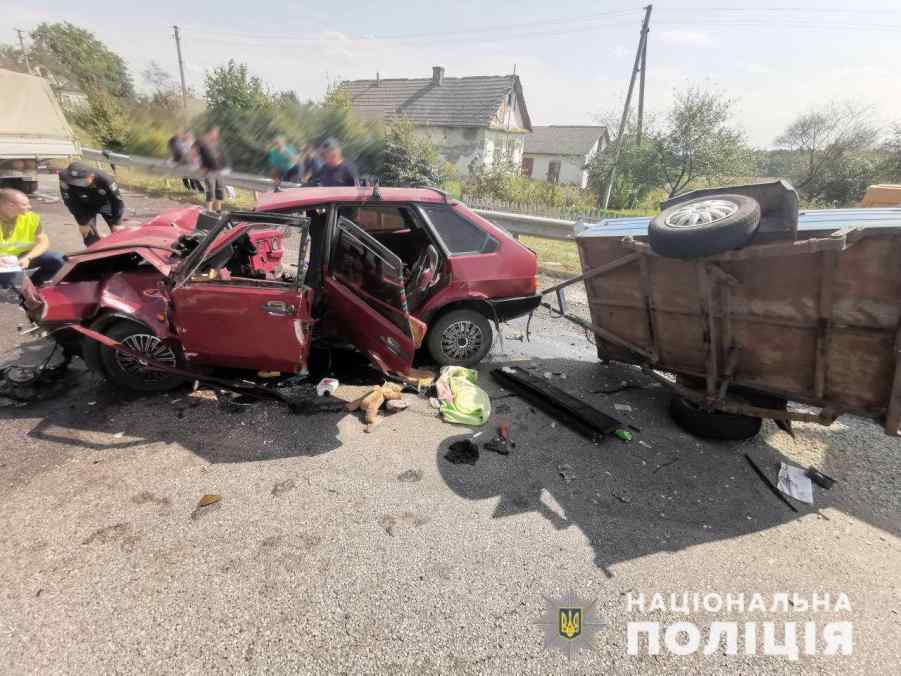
212, 162
335, 171
87, 193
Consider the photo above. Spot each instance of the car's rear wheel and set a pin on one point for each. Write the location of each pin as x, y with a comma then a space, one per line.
460, 338
127, 371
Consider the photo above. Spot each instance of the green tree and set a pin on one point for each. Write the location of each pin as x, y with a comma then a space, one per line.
232, 87
890, 167
408, 159
105, 119
75, 56
829, 153
694, 141
697, 141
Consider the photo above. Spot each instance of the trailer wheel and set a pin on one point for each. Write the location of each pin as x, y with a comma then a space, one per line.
712, 424
704, 226
126, 371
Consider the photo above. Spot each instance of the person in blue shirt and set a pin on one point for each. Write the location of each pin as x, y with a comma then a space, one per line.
285, 162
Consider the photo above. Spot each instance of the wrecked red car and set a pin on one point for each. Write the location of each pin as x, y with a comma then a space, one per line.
384, 270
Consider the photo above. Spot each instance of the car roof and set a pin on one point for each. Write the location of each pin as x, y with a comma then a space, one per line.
310, 197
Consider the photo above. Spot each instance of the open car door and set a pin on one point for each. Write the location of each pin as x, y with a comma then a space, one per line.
364, 291
225, 319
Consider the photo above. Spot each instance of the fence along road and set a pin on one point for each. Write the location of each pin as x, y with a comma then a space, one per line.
516, 224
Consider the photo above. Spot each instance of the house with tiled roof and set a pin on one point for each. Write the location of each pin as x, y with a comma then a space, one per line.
470, 120
560, 153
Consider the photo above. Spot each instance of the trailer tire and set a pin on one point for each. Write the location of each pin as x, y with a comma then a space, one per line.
712, 424
704, 226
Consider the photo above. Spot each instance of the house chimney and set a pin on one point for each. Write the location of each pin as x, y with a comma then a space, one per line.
437, 75
378, 79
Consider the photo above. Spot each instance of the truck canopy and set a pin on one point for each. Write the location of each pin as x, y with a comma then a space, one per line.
32, 123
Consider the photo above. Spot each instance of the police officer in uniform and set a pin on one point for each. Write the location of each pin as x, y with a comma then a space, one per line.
88, 192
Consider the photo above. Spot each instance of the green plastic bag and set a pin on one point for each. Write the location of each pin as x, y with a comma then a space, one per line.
469, 404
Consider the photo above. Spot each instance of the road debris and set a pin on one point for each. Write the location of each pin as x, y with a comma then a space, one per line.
462, 401
793, 481
372, 401
327, 386
419, 379
462, 452
410, 476
205, 505
566, 473
396, 404
769, 483
820, 479
623, 435
571, 411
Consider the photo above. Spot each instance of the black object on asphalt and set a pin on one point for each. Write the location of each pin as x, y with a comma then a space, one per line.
462, 452
820, 479
498, 446
773, 487
589, 421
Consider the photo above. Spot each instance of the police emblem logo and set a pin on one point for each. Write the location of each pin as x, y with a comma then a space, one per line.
570, 622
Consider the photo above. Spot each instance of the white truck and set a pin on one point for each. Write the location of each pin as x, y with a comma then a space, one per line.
32, 128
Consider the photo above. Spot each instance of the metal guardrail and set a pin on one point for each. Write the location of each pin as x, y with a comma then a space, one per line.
516, 224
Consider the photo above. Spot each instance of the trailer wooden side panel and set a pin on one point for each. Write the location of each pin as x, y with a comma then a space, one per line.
817, 324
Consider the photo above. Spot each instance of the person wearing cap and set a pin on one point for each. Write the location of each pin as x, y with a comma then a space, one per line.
88, 192
23, 242
335, 171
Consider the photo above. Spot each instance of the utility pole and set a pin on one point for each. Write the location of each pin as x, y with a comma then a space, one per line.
24, 52
622, 123
181, 72
644, 63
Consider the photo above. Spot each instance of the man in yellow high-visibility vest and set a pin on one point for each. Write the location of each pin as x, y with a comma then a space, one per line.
23, 242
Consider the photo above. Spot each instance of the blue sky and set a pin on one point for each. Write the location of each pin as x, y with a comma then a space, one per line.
574, 58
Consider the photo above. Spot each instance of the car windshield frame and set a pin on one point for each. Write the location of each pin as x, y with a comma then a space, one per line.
247, 219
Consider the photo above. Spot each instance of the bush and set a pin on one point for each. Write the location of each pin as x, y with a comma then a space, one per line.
501, 182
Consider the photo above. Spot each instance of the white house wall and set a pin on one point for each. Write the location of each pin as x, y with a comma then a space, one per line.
571, 168
461, 146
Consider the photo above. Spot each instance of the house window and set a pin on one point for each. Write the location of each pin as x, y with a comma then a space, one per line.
528, 164
553, 171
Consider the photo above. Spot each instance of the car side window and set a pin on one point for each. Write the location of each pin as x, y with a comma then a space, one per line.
458, 234
378, 219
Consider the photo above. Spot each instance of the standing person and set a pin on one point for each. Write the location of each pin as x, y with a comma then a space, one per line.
285, 162
312, 165
212, 162
88, 192
336, 171
182, 152
23, 242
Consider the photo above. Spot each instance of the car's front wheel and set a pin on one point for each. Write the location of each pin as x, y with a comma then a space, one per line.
127, 371
460, 338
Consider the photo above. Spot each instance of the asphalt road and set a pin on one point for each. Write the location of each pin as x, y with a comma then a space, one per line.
337, 551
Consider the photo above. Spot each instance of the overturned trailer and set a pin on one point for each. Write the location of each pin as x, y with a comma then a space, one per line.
751, 304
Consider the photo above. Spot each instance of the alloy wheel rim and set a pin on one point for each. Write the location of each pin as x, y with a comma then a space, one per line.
701, 213
150, 346
461, 340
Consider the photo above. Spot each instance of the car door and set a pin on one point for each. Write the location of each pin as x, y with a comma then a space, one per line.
239, 322
364, 293
250, 325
